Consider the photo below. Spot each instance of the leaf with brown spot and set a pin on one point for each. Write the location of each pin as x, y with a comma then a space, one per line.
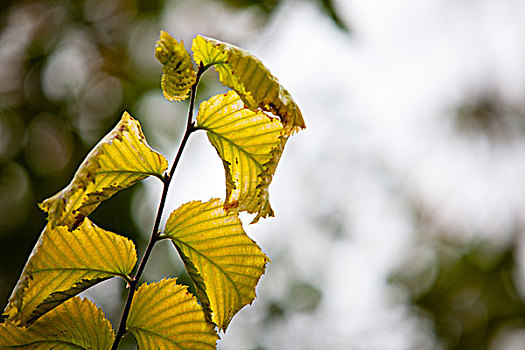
178, 74
245, 73
121, 159
250, 145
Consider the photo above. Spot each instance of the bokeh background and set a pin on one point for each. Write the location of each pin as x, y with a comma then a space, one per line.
400, 210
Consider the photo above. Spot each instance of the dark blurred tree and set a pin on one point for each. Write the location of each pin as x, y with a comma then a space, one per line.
66, 77
488, 114
469, 291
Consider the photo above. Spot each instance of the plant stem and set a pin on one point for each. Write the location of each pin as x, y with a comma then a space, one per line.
155, 232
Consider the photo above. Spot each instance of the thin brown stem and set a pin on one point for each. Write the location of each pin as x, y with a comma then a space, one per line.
155, 232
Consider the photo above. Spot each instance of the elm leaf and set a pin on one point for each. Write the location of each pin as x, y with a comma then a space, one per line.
243, 72
250, 145
224, 263
64, 263
75, 324
178, 74
164, 315
122, 158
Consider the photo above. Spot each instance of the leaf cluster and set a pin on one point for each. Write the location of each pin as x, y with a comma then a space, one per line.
249, 127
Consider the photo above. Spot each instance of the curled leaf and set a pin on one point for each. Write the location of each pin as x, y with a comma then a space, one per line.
64, 263
245, 73
224, 263
177, 67
250, 145
164, 315
122, 158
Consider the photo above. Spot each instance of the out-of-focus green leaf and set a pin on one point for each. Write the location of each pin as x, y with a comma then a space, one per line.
76, 324
122, 158
177, 67
250, 145
64, 263
331, 11
164, 315
245, 73
469, 292
222, 260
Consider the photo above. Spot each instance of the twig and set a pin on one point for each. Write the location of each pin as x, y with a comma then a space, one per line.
155, 232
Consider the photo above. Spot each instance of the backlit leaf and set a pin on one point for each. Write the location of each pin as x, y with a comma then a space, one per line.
164, 315
222, 260
64, 263
245, 73
76, 324
250, 145
119, 160
177, 67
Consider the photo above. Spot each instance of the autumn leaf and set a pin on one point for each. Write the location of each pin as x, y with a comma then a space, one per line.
250, 145
245, 73
64, 263
164, 315
75, 324
224, 263
119, 160
177, 67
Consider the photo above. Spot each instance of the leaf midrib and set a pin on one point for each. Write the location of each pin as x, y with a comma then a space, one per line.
82, 269
231, 143
212, 263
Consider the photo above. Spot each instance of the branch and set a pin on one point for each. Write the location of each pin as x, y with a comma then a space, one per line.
154, 238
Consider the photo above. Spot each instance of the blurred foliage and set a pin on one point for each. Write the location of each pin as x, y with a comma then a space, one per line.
69, 69
66, 78
468, 291
487, 113
269, 6
301, 297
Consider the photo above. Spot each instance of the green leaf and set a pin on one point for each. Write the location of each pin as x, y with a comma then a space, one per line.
250, 145
224, 263
64, 263
119, 160
177, 67
76, 324
164, 315
245, 73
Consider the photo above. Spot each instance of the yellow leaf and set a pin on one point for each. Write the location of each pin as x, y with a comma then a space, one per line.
76, 324
119, 160
177, 67
222, 260
64, 263
245, 73
164, 315
250, 145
